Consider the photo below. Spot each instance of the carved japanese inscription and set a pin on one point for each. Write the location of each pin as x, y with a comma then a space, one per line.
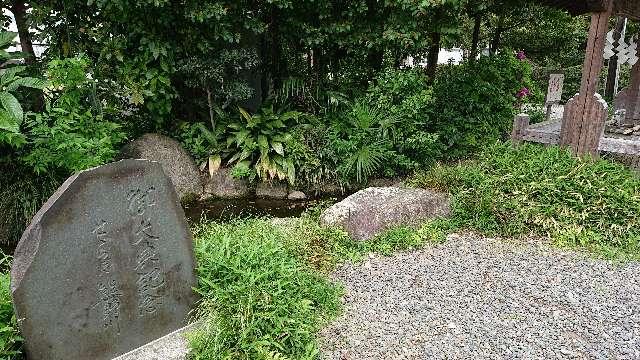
106, 265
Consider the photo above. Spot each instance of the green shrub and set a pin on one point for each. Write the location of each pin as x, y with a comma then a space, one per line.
242, 170
546, 191
475, 102
22, 193
71, 141
10, 340
405, 97
262, 140
363, 141
259, 301
74, 132
12, 79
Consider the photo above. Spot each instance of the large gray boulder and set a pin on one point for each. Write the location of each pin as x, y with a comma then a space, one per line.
224, 186
176, 162
370, 212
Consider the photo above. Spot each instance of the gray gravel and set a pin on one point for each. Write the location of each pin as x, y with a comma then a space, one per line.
474, 298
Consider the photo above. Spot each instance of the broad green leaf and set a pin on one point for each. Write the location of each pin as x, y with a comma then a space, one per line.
214, 164
27, 82
230, 141
241, 136
234, 158
6, 38
8, 122
291, 171
245, 155
235, 126
277, 146
279, 160
263, 142
9, 74
245, 114
12, 105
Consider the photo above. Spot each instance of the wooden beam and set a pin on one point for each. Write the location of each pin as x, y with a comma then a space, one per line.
585, 115
577, 7
628, 8
632, 101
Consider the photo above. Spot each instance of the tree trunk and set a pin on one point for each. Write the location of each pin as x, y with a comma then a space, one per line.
375, 58
19, 10
434, 51
497, 36
614, 68
476, 37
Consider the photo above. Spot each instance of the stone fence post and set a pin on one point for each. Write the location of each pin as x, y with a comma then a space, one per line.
520, 125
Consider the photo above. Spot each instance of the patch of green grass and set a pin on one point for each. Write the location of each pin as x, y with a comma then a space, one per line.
259, 300
264, 289
10, 340
323, 248
509, 191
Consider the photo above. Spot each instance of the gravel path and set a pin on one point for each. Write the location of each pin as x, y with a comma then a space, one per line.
475, 298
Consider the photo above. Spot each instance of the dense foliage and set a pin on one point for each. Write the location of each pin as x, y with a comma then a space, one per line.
475, 103
312, 92
114, 69
531, 189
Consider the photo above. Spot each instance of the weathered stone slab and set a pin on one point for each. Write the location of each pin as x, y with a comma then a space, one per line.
105, 267
372, 211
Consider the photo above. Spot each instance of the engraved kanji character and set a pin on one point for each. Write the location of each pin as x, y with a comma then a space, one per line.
145, 257
144, 231
140, 200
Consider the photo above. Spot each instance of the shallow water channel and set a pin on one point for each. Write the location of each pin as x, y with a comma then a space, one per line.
225, 210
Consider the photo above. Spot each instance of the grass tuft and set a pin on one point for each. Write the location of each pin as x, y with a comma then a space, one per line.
259, 300
586, 203
10, 339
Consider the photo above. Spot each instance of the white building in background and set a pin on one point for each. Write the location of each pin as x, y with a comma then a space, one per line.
446, 56
451, 56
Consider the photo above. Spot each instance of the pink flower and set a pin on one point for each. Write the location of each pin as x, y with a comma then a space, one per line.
521, 55
523, 93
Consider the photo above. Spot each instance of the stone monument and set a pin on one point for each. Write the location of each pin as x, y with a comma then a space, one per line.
106, 265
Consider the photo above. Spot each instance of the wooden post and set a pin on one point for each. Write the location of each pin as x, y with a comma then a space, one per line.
585, 116
520, 125
632, 103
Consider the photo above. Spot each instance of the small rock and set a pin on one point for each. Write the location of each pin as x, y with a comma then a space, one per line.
297, 196
224, 186
328, 190
272, 190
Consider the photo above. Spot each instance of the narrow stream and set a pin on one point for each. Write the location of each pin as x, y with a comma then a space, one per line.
225, 210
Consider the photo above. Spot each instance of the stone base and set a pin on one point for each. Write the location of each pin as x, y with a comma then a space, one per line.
170, 347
